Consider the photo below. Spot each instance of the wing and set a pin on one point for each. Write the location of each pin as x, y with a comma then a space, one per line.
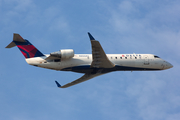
100, 59
85, 77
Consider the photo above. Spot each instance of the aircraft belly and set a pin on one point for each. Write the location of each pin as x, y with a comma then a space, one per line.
127, 63
77, 65
130, 63
134, 65
139, 63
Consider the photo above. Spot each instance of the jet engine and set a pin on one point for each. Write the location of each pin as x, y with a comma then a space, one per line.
63, 54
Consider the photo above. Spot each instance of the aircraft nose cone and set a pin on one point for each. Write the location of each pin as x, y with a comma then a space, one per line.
169, 65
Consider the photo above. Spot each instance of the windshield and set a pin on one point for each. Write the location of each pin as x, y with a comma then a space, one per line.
156, 56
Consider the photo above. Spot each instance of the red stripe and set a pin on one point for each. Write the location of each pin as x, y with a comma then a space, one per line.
28, 48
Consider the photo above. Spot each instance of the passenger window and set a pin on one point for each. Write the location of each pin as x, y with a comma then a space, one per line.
125, 57
120, 57
116, 57
135, 57
49, 60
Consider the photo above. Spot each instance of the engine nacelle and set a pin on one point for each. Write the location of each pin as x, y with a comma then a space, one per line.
63, 54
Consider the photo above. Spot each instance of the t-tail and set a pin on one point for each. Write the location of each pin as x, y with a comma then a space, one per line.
27, 49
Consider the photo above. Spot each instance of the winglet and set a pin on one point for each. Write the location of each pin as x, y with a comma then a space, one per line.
58, 85
90, 36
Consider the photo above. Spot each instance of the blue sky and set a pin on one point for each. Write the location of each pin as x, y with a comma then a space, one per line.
121, 26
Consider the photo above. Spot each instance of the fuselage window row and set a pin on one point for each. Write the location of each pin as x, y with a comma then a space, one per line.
127, 57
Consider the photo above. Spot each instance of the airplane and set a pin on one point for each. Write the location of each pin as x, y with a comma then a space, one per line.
92, 65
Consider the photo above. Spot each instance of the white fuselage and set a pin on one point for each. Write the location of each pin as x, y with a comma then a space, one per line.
122, 62
92, 65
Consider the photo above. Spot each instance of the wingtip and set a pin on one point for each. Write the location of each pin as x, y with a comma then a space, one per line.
58, 85
90, 36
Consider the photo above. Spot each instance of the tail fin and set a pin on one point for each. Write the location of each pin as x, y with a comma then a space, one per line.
27, 49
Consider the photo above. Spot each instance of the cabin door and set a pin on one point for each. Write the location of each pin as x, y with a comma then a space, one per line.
146, 60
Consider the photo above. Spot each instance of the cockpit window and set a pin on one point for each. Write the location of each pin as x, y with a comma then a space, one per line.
156, 56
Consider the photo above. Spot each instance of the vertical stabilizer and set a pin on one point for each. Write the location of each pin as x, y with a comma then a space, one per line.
27, 49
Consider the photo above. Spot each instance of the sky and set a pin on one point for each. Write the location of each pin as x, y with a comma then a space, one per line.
122, 27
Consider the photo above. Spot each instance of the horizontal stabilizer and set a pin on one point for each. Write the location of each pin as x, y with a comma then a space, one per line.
12, 44
16, 38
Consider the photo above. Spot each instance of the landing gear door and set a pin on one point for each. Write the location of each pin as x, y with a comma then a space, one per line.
146, 60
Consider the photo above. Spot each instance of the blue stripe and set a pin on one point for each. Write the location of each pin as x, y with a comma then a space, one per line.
38, 54
28, 56
23, 43
86, 68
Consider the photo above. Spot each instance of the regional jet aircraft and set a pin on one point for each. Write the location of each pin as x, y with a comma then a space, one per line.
92, 65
